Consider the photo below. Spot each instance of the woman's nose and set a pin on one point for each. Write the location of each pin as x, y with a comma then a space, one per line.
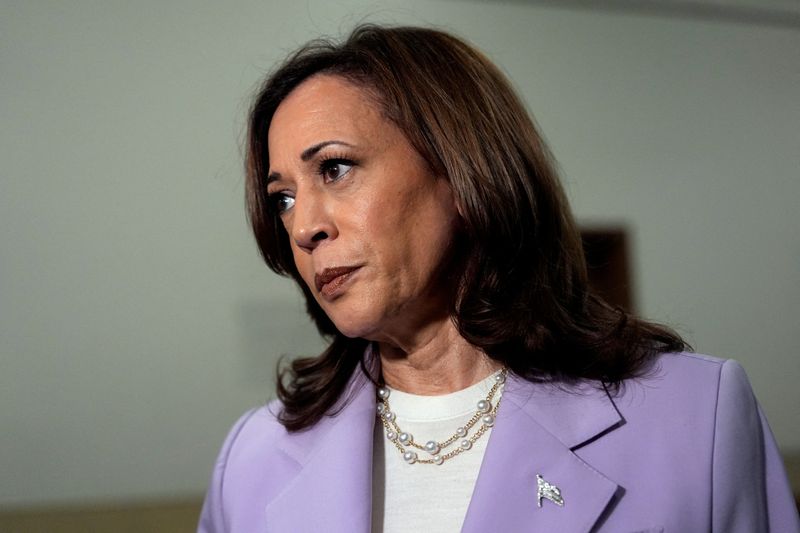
312, 222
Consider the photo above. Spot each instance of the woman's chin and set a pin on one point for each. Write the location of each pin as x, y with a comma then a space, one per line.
356, 325
355, 331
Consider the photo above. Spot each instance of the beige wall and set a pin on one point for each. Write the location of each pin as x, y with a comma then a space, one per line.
136, 321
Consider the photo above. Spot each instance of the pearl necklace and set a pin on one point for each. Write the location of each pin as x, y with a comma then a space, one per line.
404, 441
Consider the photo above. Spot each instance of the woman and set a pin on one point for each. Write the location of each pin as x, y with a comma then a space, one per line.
398, 179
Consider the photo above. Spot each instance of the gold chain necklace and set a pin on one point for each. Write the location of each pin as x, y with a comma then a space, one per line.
404, 441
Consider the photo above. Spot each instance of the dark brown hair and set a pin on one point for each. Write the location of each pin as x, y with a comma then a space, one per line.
523, 296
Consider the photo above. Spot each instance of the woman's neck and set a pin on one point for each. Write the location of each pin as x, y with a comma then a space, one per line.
436, 361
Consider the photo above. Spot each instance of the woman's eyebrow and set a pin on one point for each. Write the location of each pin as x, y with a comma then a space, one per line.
311, 151
273, 176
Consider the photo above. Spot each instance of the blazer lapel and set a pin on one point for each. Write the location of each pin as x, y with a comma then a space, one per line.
332, 488
538, 427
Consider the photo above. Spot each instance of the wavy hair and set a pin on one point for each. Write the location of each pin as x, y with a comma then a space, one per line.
522, 296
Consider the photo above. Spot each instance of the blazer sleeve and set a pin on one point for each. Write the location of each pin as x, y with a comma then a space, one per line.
212, 517
750, 490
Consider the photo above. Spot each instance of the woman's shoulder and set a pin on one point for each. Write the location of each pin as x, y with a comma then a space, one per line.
677, 364
238, 481
257, 429
687, 396
688, 373
692, 423
691, 360
683, 379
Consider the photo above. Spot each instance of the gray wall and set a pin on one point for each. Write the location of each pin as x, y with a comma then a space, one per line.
136, 320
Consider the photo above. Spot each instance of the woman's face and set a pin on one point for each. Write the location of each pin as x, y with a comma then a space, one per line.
371, 227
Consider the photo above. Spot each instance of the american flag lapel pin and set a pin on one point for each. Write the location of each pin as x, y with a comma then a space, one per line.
548, 491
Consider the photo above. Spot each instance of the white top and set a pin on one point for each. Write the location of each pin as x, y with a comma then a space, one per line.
427, 497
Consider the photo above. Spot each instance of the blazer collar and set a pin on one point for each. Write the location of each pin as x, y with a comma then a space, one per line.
538, 427
332, 463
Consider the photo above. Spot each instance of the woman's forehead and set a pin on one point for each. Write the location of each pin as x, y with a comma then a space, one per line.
323, 108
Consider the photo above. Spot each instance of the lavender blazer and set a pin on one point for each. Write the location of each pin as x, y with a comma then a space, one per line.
684, 450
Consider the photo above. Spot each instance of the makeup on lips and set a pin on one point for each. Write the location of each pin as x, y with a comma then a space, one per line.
330, 282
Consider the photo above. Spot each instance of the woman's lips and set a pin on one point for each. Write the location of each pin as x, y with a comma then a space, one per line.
330, 281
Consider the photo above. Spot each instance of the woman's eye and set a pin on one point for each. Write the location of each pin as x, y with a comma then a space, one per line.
281, 202
334, 169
